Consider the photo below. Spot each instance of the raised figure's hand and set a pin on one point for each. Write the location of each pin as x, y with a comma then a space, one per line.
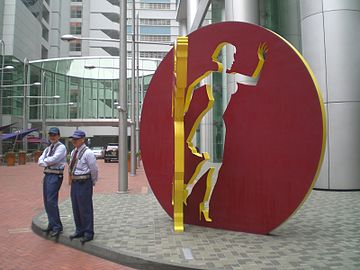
262, 51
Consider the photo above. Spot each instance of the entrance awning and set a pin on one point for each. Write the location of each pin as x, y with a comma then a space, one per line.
17, 135
6, 126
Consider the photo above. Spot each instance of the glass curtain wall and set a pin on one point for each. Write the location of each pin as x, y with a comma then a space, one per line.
79, 97
11, 96
67, 97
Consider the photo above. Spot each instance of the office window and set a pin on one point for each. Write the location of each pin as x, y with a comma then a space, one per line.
76, 12
75, 28
45, 33
34, 6
157, 38
154, 21
159, 55
44, 52
45, 15
75, 46
155, 5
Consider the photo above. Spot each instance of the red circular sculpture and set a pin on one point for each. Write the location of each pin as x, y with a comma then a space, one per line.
274, 139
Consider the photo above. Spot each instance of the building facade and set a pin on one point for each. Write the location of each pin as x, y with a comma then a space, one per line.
33, 28
155, 22
25, 27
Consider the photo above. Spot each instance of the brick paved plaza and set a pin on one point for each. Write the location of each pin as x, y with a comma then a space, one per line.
132, 229
21, 199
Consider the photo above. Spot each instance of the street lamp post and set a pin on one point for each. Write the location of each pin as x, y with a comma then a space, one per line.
26, 92
137, 128
123, 176
2, 78
43, 109
133, 131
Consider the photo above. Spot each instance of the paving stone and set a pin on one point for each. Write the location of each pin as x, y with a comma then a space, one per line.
310, 239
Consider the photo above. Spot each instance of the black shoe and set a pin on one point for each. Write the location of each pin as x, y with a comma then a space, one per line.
75, 235
47, 230
85, 239
55, 233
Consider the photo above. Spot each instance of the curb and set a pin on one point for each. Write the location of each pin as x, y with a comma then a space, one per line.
122, 258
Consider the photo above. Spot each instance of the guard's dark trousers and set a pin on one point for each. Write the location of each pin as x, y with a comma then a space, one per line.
82, 205
51, 187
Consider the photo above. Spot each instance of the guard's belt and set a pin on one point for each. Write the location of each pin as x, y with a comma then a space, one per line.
54, 171
80, 177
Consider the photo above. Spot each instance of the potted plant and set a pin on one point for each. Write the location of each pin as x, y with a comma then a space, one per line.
10, 158
129, 161
37, 154
22, 157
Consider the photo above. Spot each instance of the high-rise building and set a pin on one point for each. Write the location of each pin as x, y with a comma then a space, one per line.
155, 21
33, 29
25, 27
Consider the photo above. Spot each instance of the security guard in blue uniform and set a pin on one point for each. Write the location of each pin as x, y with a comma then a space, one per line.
53, 159
83, 174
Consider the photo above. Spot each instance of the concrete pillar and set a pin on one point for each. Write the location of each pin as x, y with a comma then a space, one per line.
192, 7
289, 22
182, 28
330, 38
244, 11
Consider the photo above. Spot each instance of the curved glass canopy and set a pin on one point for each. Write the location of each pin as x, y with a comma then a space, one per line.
105, 67
85, 87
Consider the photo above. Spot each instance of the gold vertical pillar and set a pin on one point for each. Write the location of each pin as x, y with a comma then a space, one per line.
180, 72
